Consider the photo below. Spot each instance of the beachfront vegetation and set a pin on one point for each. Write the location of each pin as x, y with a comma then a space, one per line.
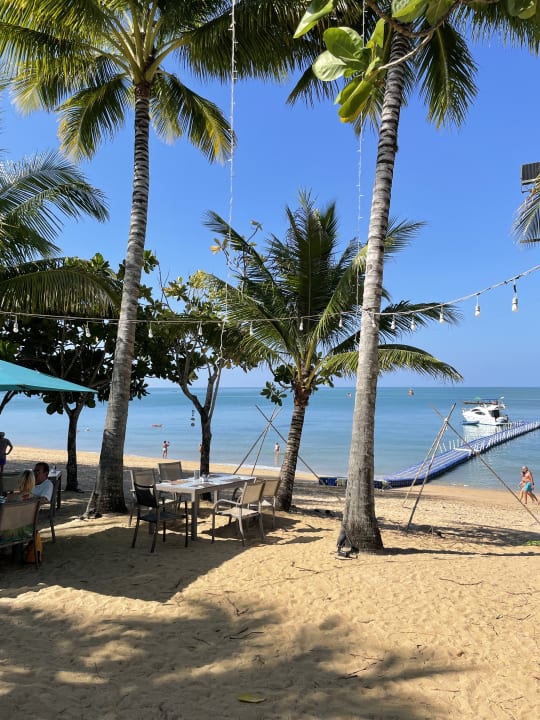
37, 194
419, 45
194, 345
93, 62
74, 348
300, 301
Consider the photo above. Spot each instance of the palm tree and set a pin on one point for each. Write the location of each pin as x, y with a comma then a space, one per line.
420, 48
36, 195
91, 62
301, 302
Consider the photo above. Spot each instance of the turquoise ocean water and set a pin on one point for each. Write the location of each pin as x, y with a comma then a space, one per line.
406, 426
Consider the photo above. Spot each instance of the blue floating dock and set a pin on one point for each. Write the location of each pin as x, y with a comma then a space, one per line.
445, 461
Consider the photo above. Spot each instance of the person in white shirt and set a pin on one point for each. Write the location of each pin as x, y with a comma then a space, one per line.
44, 487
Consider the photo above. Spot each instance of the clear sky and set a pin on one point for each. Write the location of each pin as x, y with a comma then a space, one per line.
464, 183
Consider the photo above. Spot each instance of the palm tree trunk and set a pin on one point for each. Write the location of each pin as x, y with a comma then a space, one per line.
290, 460
359, 519
109, 488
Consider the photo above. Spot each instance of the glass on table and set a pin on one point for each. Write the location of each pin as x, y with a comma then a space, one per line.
196, 474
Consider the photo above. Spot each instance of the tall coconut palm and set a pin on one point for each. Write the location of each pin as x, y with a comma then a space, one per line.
301, 301
91, 62
418, 48
36, 195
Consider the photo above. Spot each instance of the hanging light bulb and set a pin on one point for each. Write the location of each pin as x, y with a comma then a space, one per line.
441, 315
301, 325
199, 330
87, 331
477, 308
340, 323
515, 300
251, 328
15, 325
150, 333
393, 323
373, 323
413, 324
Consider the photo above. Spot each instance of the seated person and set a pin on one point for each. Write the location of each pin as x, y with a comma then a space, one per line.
44, 487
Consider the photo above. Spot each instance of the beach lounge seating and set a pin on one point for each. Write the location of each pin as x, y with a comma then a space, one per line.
21, 518
247, 506
150, 508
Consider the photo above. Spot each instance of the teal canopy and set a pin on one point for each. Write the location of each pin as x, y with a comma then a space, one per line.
17, 377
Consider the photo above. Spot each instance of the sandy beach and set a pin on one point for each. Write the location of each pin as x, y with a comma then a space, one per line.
443, 624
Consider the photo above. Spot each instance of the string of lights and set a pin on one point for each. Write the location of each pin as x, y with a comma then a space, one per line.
198, 323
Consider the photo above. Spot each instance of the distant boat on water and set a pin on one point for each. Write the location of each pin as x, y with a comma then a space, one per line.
484, 412
411, 391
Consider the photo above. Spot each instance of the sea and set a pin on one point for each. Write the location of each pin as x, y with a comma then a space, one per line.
246, 426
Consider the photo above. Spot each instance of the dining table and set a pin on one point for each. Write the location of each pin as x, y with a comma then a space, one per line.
194, 487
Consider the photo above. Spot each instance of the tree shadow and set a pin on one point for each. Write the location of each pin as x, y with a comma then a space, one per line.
195, 664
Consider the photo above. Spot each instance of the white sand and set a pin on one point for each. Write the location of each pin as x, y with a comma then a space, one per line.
443, 624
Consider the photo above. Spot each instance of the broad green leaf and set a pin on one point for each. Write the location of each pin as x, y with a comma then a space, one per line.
347, 91
345, 43
436, 9
377, 38
354, 104
407, 10
327, 67
250, 698
372, 69
316, 10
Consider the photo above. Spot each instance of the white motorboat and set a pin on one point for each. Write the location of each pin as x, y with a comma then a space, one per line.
484, 412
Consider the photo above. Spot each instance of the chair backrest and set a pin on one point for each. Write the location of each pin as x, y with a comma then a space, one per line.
170, 470
56, 484
144, 485
253, 492
271, 487
9, 482
15, 514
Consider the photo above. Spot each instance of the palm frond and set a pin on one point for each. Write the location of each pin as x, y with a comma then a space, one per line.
61, 289
97, 111
35, 194
405, 357
526, 227
176, 111
447, 70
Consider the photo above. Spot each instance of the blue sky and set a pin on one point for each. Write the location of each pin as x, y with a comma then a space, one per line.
463, 183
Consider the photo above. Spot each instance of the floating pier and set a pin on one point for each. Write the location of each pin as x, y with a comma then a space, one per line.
447, 460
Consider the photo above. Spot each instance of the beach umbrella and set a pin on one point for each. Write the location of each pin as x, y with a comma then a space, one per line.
16, 377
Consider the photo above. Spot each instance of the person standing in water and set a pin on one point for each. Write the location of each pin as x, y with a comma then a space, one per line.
165, 448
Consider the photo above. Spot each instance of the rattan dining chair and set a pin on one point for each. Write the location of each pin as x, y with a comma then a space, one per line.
247, 506
150, 508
